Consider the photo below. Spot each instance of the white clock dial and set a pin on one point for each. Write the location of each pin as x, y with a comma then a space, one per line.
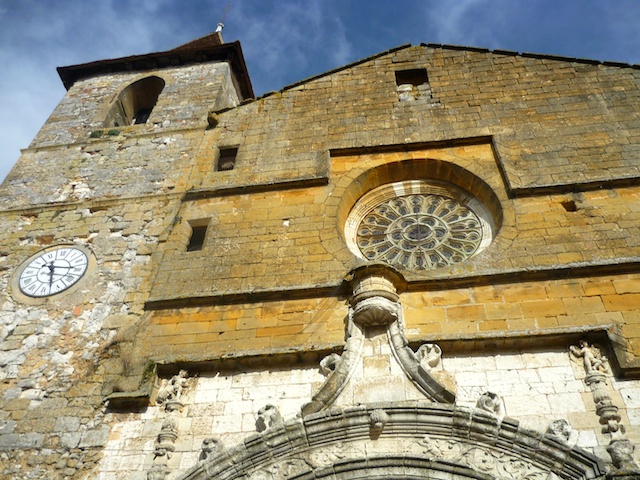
53, 271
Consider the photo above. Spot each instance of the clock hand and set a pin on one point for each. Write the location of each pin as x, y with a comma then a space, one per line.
51, 267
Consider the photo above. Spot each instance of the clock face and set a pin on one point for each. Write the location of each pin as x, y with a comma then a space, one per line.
53, 271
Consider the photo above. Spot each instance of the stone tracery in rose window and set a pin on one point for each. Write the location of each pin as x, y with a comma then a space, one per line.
419, 226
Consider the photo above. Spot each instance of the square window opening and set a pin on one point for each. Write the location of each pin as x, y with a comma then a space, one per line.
198, 234
227, 159
415, 77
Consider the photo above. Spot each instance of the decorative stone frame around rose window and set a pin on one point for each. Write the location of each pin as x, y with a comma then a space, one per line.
418, 225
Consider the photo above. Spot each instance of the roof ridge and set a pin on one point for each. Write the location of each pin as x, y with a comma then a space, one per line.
532, 55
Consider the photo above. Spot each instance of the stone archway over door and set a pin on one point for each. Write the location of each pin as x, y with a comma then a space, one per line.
424, 441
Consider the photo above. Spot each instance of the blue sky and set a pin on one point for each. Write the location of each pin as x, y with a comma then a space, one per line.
283, 41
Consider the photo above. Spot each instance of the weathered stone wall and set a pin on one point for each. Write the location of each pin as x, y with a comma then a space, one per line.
190, 91
116, 192
61, 356
75, 158
548, 144
555, 121
297, 234
534, 387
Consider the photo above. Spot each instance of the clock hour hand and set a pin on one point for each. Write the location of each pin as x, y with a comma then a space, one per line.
51, 267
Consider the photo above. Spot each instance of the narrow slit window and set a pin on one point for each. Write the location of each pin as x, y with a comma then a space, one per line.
227, 159
198, 234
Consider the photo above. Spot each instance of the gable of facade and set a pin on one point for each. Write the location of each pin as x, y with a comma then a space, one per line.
420, 265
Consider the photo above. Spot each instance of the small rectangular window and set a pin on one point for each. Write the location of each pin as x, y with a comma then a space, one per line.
415, 77
227, 159
198, 234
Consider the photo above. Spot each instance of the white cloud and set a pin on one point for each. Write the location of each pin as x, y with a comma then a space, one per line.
463, 22
289, 38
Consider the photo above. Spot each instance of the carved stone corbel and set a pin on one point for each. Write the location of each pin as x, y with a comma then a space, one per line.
374, 301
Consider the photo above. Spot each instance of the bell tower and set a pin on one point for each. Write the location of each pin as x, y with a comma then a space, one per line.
84, 211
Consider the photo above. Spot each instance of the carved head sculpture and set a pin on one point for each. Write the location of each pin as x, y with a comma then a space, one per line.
329, 363
621, 452
209, 447
560, 428
268, 416
379, 419
489, 402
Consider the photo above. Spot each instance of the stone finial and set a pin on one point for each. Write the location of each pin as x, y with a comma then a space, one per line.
560, 429
268, 417
489, 402
329, 363
429, 355
621, 452
210, 446
169, 430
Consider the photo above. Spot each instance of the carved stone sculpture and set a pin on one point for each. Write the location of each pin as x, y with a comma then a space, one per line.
375, 311
560, 429
172, 390
595, 365
158, 471
329, 363
268, 417
621, 452
210, 446
593, 360
429, 355
489, 402
379, 419
168, 431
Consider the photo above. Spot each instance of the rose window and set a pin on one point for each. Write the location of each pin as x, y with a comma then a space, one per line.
418, 225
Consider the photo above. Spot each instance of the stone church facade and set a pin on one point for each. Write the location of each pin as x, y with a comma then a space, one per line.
424, 264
